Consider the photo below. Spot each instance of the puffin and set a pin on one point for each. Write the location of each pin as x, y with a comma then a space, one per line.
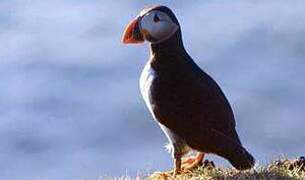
186, 102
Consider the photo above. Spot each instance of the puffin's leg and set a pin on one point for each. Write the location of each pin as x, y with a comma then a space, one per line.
191, 163
177, 162
187, 160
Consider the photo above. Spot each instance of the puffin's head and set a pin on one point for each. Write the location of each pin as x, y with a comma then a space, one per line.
155, 25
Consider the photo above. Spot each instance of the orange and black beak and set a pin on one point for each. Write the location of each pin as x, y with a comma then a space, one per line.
132, 33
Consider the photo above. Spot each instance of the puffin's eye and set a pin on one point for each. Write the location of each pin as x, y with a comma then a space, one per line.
156, 18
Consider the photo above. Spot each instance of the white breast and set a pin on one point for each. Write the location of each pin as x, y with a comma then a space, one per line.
146, 80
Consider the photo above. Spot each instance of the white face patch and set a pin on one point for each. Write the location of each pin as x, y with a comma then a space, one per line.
159, 25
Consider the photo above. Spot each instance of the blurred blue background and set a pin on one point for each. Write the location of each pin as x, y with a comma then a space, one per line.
70, 105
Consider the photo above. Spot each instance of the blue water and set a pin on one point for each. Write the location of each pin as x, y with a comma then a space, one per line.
70, 105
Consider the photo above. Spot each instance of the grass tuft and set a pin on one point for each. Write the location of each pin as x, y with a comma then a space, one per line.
279, 169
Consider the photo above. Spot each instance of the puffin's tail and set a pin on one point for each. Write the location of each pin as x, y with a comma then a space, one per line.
230, 149
241, 159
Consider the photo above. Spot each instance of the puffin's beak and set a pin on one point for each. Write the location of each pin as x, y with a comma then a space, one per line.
132, 33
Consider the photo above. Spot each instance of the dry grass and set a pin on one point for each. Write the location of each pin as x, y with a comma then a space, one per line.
280, 169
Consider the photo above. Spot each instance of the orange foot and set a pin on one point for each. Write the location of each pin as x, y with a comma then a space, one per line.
192, 162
